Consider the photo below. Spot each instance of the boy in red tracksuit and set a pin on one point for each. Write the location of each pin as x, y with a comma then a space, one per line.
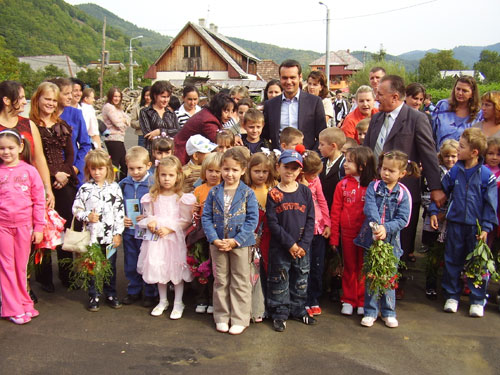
347, 218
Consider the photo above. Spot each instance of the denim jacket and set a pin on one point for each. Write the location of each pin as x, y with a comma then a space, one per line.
243, 215
132, 190
383, 204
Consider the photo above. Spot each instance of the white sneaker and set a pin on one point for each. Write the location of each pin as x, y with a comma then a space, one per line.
160, 308
236, 329
201, 309
476, 311
360, 311
177, 311
210, 309
451, 305
222, 327
391, 321
346, 309
367, 321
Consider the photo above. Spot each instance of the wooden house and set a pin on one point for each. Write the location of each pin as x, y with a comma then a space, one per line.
203, 52
342, 66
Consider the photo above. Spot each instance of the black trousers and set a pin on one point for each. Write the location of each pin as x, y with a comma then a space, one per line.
116, 150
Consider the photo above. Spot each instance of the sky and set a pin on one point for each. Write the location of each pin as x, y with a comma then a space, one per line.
397, 25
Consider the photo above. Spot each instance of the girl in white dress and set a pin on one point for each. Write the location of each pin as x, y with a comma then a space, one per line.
167, 213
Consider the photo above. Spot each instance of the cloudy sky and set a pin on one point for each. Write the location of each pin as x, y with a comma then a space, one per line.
399, 25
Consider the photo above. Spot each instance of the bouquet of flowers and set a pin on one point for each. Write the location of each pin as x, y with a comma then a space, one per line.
381, 267
199, 263
480, 262
90, 266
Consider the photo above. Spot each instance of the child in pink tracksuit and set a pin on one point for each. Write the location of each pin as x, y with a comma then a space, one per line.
22, 217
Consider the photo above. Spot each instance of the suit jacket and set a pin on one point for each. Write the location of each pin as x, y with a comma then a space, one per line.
311, 119
412, 134
329, 181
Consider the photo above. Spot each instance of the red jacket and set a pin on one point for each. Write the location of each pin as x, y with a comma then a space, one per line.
350, 122
347, 209
204, 123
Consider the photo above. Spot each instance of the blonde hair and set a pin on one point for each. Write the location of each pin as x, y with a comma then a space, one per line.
168, 162
333, 135
363, 125
493, 141
137, 153
35, 99
225, 137
312, 162
211, 161
447, 147
476, 140
288, 135
99, 158
494, 98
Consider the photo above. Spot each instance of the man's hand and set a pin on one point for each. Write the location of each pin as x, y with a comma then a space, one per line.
438, 197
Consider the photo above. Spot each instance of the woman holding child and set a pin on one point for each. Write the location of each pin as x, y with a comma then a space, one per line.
365, 99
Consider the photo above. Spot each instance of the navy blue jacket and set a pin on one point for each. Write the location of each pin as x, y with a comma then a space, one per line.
469, 200
132, 190
242, 219
290, 217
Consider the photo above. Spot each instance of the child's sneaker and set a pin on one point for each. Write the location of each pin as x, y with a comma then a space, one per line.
390, 321
306, 319
346, 309
316, 310
368, 321
33, 313
210, 309
476, 311
222, 327
360, 311
93, 304
309, 311
20, 319
279, 325
451, 305
201, 309
113, 302
236, 329
177, 311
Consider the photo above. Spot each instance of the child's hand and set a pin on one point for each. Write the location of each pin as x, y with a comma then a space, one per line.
326, 232
94, 217
162, 232
221, 245
128, 222
152, 226
231, 242
257, 241
482, 236
380, 233
117, 240
334, 248
434, 222
37, 237
294, 250
301, 252
140, 217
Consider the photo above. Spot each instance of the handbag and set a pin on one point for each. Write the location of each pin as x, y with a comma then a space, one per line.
76, 242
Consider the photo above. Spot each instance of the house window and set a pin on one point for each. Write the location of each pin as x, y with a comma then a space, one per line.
192, 51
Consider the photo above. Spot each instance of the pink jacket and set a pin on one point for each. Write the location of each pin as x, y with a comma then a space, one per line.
116, 121
22, 196
321, 214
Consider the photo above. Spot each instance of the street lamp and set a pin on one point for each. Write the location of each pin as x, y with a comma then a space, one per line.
327, 62
131, 71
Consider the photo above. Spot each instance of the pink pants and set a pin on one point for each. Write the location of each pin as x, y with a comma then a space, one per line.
353, 280
15, 245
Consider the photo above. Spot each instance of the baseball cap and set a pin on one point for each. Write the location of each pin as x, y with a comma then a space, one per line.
198, 143
289, 156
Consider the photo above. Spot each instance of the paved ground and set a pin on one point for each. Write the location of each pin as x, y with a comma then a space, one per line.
67, 339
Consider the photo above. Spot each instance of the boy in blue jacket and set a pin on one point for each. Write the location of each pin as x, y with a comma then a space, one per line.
134, 187
472, 191
290, 216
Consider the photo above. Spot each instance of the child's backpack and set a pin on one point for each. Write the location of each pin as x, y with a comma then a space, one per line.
402, 190
485, 177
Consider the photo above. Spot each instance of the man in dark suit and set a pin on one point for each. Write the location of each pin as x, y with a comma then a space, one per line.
294, 107
399, 127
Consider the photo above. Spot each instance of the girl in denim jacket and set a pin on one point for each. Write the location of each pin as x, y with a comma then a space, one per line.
230, 217
387, 203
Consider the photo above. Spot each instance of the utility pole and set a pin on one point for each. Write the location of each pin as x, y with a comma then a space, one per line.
101, 81
131, 69
327, 61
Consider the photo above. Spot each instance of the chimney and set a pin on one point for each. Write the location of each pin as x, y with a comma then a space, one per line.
211, 27
216, 29
201, 22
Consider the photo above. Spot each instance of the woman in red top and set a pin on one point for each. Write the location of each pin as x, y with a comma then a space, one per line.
206, 122
347, 218
12, 104
365, 98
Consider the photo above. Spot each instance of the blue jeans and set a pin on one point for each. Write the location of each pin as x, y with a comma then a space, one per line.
461, 240
109, 288
131, 250
317, 264
287, 284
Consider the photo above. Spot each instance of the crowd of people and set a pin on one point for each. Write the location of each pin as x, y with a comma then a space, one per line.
250, 204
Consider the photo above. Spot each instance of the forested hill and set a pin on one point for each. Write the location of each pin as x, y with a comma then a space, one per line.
47, 27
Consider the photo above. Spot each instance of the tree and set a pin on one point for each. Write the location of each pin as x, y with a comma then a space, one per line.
430, 65
489, 66
362, 76
9, 65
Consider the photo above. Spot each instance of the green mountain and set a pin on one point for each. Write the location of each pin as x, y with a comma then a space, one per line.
33, 27
152, 39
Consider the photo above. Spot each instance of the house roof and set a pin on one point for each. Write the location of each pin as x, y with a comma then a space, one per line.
459, 73
340, 57
62, 62
267, 70
210, 37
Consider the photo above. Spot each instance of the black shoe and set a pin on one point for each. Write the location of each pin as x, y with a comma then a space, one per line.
33, 296
150, 301
93, 304
49, 288
131, 298
431, 293
279, 325
309, 320
113, 302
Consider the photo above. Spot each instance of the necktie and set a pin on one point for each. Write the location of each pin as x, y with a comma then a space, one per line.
384, 132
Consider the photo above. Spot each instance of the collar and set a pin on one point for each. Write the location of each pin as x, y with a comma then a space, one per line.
146, 176
394, 114
295, 98
331, 164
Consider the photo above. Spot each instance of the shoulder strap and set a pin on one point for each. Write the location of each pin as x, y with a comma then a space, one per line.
375, 185
402, 190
